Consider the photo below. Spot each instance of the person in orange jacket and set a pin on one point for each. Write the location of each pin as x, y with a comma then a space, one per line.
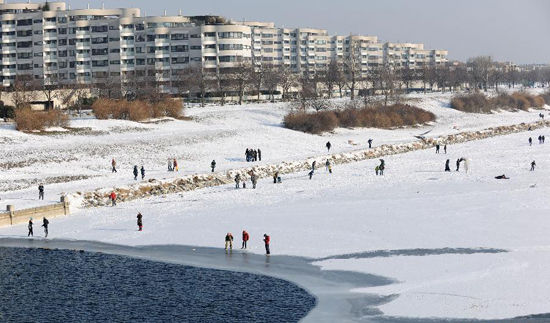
267, 240
113, 198
246, 237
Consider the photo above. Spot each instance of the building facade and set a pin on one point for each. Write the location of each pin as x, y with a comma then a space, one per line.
53, 44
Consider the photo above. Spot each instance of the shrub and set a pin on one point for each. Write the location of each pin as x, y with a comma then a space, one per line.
479, 103
6, 111
546, 97
28, 120
136, 110
397, 115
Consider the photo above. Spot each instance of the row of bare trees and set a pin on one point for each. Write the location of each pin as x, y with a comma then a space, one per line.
346, 77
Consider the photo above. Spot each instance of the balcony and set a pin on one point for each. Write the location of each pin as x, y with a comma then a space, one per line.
82, 56
8, 71
83, 46
127, 43
162, 53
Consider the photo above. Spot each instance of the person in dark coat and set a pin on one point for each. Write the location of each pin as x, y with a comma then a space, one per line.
445, 149
530, 141
135, 172
313, 165
381, 167
113, 164
458, 164
140, 221
310, 174
247, 155
259, 154
328, 145
275, 176
437, 149
540, 140
237, 180
370, 143
45, 224
30, 234
142, 172
41, 192
228, 241
447, 165
213, 165
533, 164
267, 241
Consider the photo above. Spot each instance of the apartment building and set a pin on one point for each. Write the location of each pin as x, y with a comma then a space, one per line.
55, 44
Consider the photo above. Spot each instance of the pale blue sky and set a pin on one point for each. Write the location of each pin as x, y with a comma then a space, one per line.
516, 30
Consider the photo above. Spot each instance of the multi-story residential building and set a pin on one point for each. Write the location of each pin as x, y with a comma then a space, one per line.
54, 44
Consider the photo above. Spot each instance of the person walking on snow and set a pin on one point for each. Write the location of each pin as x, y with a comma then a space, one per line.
445, 149
259, 154
540, 140
175, 163
275, 176
229, 241
140, 221
213, 165
328, 166
113, 164
458, 164
113, 198
310, 174
447, 166
254, 180
267, 240
246, 237
533, 164
45, 224
313, 165
30, 234
142, 172
370, 143
41, 192
170, 167
382, 167
377, 169
135, 172
530, 141
328, 145
437, 149
237, 180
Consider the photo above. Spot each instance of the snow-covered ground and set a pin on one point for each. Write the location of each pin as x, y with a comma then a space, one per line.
460, 245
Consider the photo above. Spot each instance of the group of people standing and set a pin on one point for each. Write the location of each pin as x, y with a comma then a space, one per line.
239, 180
45, 224
253, 155
245, 238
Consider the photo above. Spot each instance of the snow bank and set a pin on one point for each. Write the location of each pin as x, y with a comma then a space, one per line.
153, 187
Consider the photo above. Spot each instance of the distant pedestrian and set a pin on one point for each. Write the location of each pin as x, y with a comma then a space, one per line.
328, 166
140, 221
437, 149
370, 143
540, 140
170, 167
41, 192
213, 165
238, 181
175, 163
254, 180
30, 234
445, 149
382, 167
447, 165
310, 174
259, 154
267, 240
228, 241
533, 164
377, 170
113, 164
135, 172
142, 172
313, 165
458, 164
530, 141
328, 145
247, 154
113, 198
45, 224
246, 237
275, 176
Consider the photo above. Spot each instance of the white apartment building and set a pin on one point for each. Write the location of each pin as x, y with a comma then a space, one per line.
55, 44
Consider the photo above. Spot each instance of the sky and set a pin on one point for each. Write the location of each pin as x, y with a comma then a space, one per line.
508, 30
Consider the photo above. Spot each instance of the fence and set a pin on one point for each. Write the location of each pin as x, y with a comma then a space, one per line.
12, 216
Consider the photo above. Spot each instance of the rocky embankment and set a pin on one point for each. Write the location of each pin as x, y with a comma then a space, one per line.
192, 182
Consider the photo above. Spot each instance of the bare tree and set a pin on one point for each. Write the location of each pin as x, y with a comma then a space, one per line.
240, 79
352, 66
333, 76
288, 80
22, 91
258, 77
271, 80
480, 67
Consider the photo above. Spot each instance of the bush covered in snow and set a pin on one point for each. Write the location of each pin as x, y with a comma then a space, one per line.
28, 120
136, 110
479, 103
392, 116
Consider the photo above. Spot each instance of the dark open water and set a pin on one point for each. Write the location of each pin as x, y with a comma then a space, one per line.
39, 285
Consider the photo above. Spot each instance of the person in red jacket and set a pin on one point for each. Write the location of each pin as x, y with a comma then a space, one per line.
246, 237
113, 198
267, 239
